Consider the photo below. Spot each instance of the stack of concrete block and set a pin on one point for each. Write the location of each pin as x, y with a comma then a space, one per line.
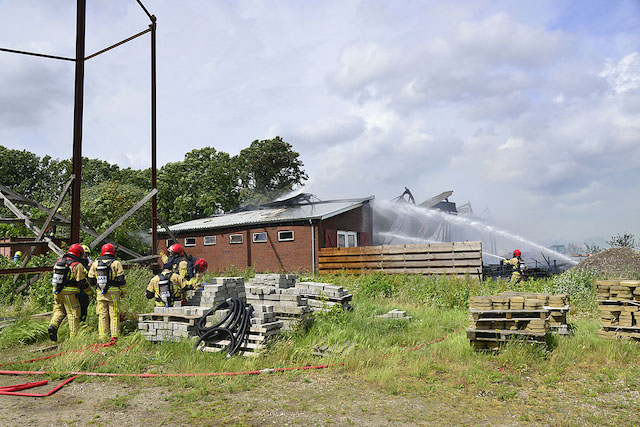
557, 304
279, 291
619, 306
282, 281
170, 323
325, 296
217, 291
497, 319
395, 314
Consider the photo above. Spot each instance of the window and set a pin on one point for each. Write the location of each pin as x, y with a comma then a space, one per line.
347, 239
189, 241
170, 242
259, 237
209, 240
285, 236
235, 238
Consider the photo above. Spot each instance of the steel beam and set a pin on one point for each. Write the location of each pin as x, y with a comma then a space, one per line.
77, 120
122, 219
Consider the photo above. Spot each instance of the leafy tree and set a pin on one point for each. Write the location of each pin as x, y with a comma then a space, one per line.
625, 240
204, 184
268, 169
104, 203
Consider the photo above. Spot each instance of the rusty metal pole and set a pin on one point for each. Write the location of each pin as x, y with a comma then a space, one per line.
154, 201
77, 121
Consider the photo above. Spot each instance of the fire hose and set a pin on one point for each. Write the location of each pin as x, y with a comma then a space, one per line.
234, 326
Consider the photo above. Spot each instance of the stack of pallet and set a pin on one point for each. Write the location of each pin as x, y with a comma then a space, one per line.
619, 306
278, 290
218, 290
325, 296
170, 323
496, 319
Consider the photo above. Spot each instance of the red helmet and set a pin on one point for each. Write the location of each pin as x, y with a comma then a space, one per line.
517, 252
108, 248
176, 249
200, 265
76, 250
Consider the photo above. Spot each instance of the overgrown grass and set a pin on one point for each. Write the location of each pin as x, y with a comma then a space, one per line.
391, 355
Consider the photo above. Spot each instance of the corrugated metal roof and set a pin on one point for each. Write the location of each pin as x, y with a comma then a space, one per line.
316, 210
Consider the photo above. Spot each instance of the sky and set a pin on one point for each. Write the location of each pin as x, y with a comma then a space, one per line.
529, 111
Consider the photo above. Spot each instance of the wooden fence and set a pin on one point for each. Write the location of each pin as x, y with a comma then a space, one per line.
458, 258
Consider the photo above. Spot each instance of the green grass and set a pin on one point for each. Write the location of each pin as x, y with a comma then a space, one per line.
391, 357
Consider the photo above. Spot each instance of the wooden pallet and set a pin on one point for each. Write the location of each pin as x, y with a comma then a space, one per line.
503, 335
168, 317
504, 315
628, 332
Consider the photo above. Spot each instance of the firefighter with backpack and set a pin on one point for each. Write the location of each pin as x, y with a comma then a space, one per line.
177, 259
69, 278
106, 275
167, 287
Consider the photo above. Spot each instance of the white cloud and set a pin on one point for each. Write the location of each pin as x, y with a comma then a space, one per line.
532, 109
625, 75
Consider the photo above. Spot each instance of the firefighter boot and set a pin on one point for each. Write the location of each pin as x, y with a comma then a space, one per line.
53, 333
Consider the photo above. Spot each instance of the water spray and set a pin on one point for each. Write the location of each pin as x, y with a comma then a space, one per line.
458, 220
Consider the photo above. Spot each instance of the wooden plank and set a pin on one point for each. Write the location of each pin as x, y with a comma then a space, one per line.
403, 264
25, 243
123, 218
401, 257
474, 271
25, 270
397, 249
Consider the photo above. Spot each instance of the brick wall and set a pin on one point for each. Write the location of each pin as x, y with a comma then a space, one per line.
273, 255
359, 219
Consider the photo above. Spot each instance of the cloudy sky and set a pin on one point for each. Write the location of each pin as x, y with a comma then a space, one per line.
530, 111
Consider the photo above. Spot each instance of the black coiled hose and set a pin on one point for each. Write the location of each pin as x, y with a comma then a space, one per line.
234, 326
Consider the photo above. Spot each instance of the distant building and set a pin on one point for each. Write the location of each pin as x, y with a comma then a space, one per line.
278, 236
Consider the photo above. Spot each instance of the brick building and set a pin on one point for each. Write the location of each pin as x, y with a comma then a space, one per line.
275, 237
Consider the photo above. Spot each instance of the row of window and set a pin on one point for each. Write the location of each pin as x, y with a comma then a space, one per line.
283, 236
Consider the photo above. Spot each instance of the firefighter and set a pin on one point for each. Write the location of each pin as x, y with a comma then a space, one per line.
16, 256
193, 276
177, 259
87, 261
107, 277
69, 278
516, 264
167, 287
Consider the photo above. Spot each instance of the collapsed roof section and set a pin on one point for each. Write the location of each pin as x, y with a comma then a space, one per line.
302, 207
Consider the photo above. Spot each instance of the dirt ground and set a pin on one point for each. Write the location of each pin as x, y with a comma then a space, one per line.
313, 398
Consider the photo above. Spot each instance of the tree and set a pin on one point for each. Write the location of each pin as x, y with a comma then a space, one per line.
593, 248
625, 240
202, 185
268, 169
104, 203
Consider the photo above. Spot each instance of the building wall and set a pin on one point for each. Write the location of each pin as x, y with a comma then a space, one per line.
359, 219
272, 255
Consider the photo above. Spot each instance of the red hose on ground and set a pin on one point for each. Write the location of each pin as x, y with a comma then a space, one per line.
108, 374
13, 390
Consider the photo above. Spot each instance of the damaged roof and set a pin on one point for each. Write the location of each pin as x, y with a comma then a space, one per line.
298, 208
